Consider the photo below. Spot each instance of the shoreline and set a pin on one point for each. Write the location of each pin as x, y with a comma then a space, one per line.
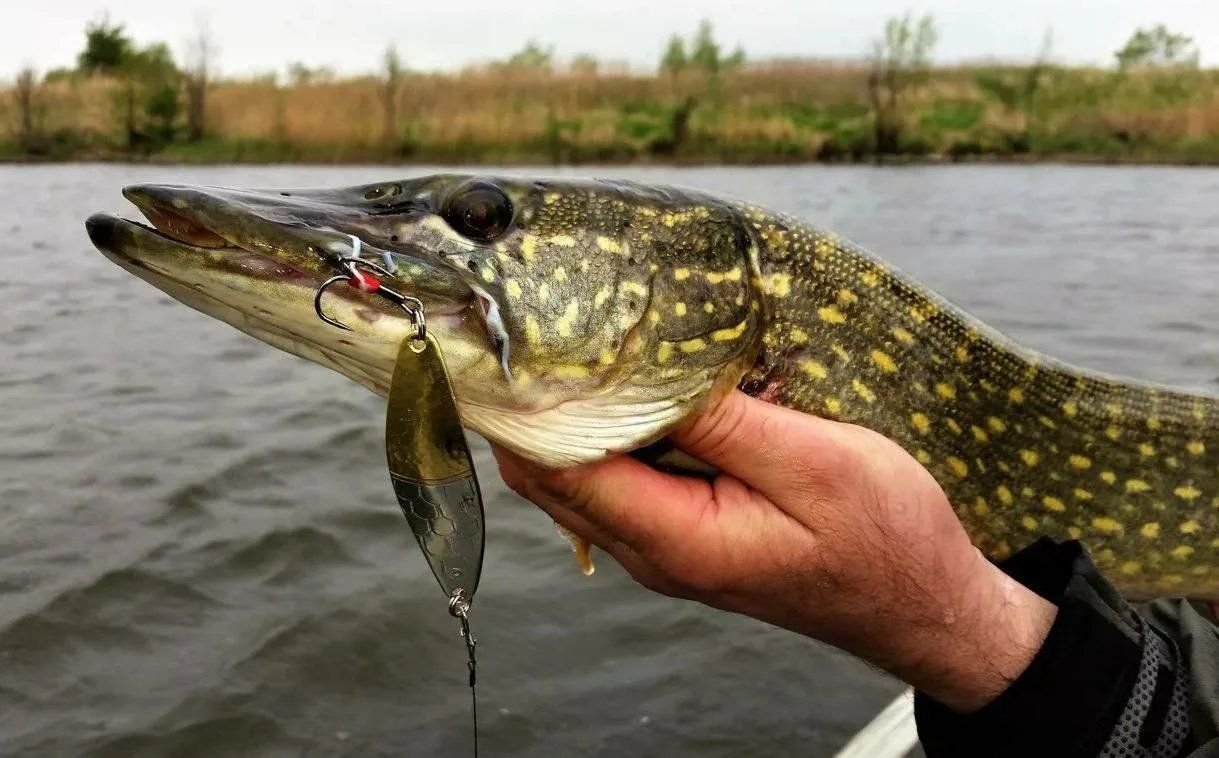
691, 162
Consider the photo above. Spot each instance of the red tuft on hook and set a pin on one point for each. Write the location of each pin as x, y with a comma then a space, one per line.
364, 282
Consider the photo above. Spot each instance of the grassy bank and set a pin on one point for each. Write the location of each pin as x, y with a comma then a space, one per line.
768, 112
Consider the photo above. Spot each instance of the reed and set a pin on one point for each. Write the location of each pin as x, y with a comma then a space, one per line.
793, 110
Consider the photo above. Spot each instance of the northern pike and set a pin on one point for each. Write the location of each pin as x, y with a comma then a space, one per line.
581, 319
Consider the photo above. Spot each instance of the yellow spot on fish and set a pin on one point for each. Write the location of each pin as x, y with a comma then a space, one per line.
634, 288
607, 356
529, 247
1028, 522
562, 240
513, 288
1137, 485
488, 275
563, 325
570, 372
953, 425
1030, 457
533, 334
1070, 409
846, 297
681, 274
1150, 530
980, 506
841, 352
1047, 422
778, 285
979, 434
1016, 395
560, 274
725, 335
691, 346
1082, 494
1146, 450
609, 245
664, 352
1054, 504
922, 456
920, 423
996, 425
862, 390
798, 336
654, 315
958, 466
1106, 525
813, 369
731, 275
1195, 447
833, 405
1189, 527
1074, 532
962, 354
1080, 462
1108, 477
1181, 552
883, 361
543, 292
903, 336
1004, 494
831, 315
679, 309
870, 278
602, 295
1188, 492
1130, 568
1153, 423
1113, 433
946, 391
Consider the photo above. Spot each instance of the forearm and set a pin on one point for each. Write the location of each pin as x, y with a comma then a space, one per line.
1103, 675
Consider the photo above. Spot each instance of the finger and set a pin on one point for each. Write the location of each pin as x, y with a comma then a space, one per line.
770, 447
620, 498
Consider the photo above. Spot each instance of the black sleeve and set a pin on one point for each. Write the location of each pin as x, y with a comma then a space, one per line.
1108, 681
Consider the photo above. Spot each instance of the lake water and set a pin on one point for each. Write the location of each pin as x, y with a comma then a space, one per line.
200, 554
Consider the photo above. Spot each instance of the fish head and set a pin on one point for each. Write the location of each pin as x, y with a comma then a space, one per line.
577, 318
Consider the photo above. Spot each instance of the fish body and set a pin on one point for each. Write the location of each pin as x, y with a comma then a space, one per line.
583, 318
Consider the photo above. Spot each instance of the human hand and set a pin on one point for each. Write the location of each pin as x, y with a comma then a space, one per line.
824, 528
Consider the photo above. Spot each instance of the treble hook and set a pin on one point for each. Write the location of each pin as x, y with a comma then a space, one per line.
367, 282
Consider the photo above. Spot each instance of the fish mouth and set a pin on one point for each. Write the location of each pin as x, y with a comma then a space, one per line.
256, 259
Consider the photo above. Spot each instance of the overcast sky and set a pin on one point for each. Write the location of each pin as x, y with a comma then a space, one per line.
350, 35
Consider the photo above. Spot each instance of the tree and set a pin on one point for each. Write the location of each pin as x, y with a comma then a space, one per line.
532, 55
391, 90
151, 75
674, 58
107, 47
900, 61
26, 93
705, 51
1157, 48
200, 60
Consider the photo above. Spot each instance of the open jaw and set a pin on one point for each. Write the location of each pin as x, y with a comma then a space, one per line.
226, 254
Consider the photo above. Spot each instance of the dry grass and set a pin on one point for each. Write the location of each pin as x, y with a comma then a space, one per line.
779, 109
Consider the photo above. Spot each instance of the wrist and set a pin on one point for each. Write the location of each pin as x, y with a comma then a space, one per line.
987, 646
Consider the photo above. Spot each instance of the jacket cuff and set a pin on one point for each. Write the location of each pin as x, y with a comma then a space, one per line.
1068, 700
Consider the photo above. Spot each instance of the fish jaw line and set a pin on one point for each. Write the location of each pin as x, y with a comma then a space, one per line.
267, 299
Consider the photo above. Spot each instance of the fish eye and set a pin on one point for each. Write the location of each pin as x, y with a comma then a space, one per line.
479, 211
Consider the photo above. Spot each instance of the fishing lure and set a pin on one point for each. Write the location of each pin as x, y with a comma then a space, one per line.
429, 459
